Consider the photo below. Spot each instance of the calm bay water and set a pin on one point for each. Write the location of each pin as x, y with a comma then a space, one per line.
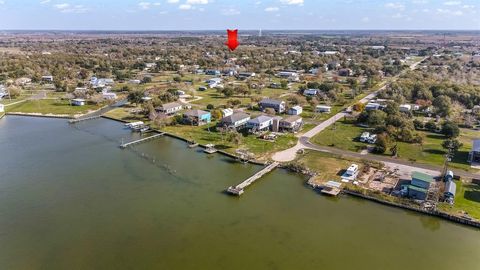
70, 198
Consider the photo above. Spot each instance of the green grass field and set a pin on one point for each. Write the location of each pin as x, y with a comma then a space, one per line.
328, 167
344, 134
50, 106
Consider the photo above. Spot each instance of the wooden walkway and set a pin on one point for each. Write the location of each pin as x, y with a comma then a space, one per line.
84, 119
239, 189
125, 145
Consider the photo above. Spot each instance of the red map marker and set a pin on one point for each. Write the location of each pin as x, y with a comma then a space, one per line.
232, 42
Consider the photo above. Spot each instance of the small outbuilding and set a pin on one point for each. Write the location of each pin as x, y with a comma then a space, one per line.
295, 110
78, 102
323, 109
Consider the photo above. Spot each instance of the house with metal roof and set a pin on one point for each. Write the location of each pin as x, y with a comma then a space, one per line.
295, 110
261, 123
474, 155
237, 120
418, 188
169, 108
197, 117
292, 123
277, 105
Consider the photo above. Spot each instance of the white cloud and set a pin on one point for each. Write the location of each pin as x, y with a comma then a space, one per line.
419, 2
148, 5
230, 12
2, 2
67, 8
173, 1
197, 2
365, 19
45, 2
452, 3
292, 2
271, 9
449, 12
397, 6
185, 6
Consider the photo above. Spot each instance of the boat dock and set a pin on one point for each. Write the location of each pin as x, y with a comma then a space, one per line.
125, 145
332, 188
84, 119
239, 189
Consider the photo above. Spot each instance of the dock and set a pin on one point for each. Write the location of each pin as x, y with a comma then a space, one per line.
125, 145
84, 119
332, 188
239, 189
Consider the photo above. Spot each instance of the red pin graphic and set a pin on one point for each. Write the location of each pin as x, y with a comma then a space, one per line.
232, 42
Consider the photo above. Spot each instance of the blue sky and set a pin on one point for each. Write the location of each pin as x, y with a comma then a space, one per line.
241, 14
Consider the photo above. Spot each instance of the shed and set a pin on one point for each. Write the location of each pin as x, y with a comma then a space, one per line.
78, 102
295, 110
450, 189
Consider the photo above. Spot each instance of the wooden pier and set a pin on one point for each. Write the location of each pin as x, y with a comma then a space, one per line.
125, 145
239, 189
84, 119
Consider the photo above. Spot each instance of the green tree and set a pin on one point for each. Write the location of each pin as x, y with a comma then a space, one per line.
135, 96
450, 130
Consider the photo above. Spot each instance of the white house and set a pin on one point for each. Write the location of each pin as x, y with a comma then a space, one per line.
405, 107
170, 108
261, 123
227, 112
2, 107
310, 92
323, 109
47, 78
295, 110
350, 174
78, 102
109, 96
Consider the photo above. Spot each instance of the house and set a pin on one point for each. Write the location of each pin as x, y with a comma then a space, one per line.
310, 92
212, 72
150, 65
365, 136
214, 82
109, 96
23, 81
277, 105
350, 174
405, 107
134, 82
2, 107
261, 123
169, 108
372, 106
47, 78
237, 120
418, 188
450, 190
77, 102
474, 155
287, 74
246, 75
345, 72
197, 117
292, 123
227, 112
295, 110
323, 109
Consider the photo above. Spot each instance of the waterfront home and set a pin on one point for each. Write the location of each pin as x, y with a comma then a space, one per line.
292, 123
310, 92
418, 188
474, 155
2, 107
237, 120
295, 110
277, 105
78, 102
261, 123
197, 117
169, 108
350, 174
323, 109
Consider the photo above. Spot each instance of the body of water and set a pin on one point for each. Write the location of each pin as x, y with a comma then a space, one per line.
70, 198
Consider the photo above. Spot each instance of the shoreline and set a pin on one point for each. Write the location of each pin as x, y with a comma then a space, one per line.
438, 214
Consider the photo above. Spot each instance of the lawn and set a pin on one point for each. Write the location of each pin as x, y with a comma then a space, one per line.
344, 134
328, 167
50, 106
207, 134
467, 199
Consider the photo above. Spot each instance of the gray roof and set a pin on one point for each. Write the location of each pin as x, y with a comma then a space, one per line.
172, 105
235, 117
195, 113
450, 187
476, 145
261, 119
271, 101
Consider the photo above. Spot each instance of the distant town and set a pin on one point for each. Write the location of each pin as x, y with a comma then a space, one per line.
392, 117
